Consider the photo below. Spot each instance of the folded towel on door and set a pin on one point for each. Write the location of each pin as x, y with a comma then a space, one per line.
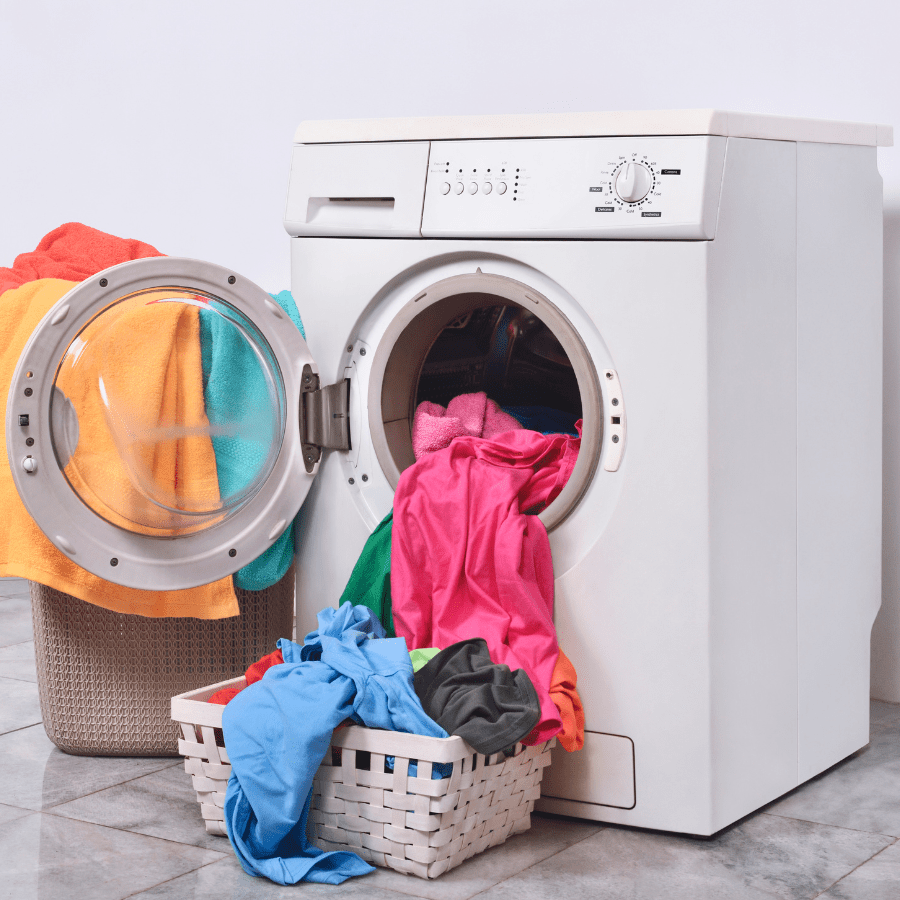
25, 552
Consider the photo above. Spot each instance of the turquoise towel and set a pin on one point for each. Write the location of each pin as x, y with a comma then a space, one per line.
233, 378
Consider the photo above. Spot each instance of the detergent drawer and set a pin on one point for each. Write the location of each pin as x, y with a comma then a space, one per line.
602, 772
367, 190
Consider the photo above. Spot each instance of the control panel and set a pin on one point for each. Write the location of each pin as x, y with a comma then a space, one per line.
640, 187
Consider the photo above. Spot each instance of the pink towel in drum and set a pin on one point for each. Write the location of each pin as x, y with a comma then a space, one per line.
468, 414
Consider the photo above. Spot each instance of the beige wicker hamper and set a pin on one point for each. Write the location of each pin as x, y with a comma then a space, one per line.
106, 679
393, 819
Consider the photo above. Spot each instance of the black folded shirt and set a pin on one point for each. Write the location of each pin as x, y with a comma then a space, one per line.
489, 706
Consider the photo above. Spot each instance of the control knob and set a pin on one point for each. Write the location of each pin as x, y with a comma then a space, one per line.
633, 182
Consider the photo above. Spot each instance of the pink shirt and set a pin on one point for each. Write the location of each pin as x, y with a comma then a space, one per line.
467, 562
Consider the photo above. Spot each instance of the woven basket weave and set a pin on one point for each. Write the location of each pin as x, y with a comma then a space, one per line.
106, 679
413, 824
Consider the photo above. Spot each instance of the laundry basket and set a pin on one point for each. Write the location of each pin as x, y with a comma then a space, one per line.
106, 679
391, 818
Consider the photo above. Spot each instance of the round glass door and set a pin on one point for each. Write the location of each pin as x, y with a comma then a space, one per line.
168, 412
162, 402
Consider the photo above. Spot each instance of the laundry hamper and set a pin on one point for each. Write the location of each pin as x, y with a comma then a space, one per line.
411, 823
106, 679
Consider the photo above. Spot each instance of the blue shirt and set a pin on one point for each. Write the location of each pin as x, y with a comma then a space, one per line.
278, 730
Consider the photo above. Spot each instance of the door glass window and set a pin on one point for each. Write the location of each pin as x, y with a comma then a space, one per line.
168, 412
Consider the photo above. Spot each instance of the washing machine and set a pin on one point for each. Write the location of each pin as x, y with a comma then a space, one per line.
701, 288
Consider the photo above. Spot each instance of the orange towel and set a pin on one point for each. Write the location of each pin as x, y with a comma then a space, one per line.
24, 550
564, 694
135, 381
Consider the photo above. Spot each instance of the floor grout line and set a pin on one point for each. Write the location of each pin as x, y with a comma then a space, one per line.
22, 728
863, 863
891, 837
152, 837
20, 680
212, 862
537, 863
49, 809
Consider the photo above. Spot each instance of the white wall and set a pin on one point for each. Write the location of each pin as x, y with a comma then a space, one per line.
172, 121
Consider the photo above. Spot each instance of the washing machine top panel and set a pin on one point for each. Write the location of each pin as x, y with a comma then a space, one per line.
597, 124
154, 424
587, 188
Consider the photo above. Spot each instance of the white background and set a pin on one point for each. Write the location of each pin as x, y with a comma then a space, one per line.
172, 122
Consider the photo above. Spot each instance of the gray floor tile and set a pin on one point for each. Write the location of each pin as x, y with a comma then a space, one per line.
15, 620
862, 792
547, 835
19, 705
162, 804
883, 714
47, 856
227, 879
37, 775
760, 859
17, 661
878, 879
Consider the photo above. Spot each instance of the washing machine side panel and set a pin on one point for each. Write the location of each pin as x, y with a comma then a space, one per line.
839, 283
753, 480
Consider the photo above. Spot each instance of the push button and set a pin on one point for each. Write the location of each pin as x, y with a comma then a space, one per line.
445, 188
23, 420
473, 188
459, 187
501, 187
486, 187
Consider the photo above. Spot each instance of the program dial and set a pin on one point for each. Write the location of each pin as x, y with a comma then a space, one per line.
633, 182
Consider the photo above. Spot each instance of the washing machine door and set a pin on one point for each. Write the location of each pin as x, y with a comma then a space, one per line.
163, 425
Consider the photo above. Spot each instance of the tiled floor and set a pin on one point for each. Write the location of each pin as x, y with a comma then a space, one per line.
81, 828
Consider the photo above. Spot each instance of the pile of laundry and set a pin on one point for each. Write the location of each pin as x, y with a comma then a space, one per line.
445, 627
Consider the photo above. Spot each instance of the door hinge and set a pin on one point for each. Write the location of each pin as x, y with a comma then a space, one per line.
324, 417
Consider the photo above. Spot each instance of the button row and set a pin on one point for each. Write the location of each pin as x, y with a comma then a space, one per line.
486, 188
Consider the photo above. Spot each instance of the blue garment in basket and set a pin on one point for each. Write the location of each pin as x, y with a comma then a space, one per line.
278, 730
232, 375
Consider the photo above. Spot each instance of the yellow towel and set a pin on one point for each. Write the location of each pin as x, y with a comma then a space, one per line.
157, 377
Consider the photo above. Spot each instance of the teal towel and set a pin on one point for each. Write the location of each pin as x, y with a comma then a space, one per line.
234, 379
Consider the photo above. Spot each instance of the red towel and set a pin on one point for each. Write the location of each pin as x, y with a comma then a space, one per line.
467, 562
253, 674
72, 252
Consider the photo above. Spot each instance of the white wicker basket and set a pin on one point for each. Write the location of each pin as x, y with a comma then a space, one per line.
409, 823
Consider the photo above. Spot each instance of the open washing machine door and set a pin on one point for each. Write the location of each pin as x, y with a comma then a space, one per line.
164, 423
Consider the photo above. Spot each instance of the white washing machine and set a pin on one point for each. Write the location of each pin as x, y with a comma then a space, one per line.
702, 288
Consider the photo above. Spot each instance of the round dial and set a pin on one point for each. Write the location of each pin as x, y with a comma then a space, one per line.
633, 182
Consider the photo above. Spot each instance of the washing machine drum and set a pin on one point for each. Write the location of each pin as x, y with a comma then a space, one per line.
155, 428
